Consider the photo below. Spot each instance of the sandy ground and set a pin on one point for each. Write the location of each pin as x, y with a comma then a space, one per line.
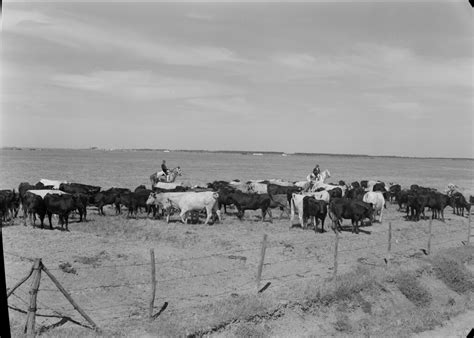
196, 264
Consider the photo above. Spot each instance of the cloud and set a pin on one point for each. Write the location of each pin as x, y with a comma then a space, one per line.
141, 85
107, 38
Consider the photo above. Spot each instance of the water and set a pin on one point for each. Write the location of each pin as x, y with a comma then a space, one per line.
132, 168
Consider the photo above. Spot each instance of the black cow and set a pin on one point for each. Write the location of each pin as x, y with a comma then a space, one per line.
128, 200
33, 204
74, 188
140, 187
107, 197
393, 191
24, 187
364, 184
10, 202
314, 209
224, 189
437, 202
355, 184
416, 204
354, 210
3, 208
61, 205
355, 193
459, 203
335, 193
82, 206
244, 201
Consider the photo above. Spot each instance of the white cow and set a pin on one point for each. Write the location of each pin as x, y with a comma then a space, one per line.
377, 200
54, 183
167, 186
297, 203
258, 188
43, 192
187, 201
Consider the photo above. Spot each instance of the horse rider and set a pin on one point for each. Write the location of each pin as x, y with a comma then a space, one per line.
165, 170
315, 175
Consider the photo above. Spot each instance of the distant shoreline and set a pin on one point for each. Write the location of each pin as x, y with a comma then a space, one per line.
243, 152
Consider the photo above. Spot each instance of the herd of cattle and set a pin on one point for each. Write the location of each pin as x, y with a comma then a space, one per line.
312, 201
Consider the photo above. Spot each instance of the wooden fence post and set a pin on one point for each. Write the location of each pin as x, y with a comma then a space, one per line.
469, 229
31, 318
336, 244
389, 248
262, 259
69, 298
429, 237
153, 283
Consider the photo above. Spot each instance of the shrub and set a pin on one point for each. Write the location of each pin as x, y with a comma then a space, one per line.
411, 287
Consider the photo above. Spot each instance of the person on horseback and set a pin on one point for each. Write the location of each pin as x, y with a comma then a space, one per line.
315, 175
165, 169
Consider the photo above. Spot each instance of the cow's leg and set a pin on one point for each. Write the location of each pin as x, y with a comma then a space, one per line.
50, 214
183, 216
270, 215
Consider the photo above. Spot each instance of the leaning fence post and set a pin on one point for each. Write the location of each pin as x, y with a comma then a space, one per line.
336, 244
153, 283
262, 258
69, 298
30, 319
429, 237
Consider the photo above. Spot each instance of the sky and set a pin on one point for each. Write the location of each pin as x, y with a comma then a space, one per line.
376, 78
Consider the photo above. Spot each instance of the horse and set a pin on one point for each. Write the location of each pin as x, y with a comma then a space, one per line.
162, 177
320, 178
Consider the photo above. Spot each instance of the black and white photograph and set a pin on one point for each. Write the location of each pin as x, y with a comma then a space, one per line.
237, 168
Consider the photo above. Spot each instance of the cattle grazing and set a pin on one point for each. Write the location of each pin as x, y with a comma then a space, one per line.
354, 210
33, 205
378, 202
315, 210
244, 201
459, 203
61, 205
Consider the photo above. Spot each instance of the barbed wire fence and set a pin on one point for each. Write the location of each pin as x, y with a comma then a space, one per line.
133, 289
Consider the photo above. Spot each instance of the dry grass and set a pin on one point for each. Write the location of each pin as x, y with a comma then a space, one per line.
411, 287
346, 287
449, 268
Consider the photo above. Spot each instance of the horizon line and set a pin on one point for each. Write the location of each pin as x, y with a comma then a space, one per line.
234, 151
